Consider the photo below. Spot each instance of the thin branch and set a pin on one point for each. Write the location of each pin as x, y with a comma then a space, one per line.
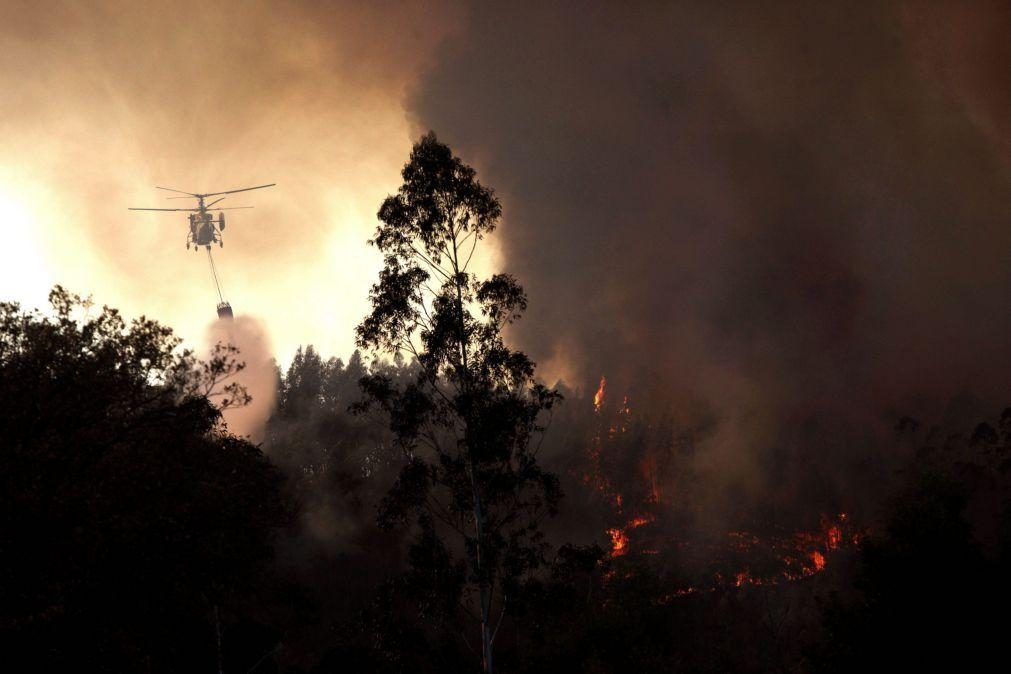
473, 246
469, 234
499, 624
467, 643
542, 433
443, 515
469, 611
264, 657
435, 267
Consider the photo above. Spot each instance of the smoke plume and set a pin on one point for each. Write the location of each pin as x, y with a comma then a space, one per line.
785, 222
258, 377
787, 218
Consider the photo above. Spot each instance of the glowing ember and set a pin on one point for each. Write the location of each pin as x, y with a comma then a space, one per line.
800, 555
833, 532
819, 561
619, 542
598, 397
619, 535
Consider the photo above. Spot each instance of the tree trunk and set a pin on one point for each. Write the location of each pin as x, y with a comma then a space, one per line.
217, 630
485, 590
486, 646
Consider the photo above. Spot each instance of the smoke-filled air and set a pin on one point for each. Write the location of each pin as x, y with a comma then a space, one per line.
530, 337
103, 101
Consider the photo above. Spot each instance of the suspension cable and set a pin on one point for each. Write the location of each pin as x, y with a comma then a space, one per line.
214, 272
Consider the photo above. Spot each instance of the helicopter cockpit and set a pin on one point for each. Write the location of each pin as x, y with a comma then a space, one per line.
203, 231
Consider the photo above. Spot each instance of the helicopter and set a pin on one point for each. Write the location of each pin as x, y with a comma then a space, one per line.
203, 229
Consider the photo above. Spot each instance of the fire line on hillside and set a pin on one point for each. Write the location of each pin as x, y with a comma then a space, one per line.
752, 559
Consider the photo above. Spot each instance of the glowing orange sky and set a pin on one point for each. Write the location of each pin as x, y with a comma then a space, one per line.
101, 103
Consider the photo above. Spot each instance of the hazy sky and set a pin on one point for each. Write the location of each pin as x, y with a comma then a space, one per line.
767, 209
101, 101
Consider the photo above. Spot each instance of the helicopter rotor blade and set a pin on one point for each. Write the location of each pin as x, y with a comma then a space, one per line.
169, 189
244, 189
179, 197
216, 201
163, 209
232, 208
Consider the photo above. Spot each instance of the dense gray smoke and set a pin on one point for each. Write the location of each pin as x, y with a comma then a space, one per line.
786, 223
790, 218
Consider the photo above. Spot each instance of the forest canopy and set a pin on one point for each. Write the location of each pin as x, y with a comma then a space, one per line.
431, 505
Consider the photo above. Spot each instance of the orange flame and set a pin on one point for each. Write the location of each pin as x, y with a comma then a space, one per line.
598, 397
636, 522
800, 554
819, 561
619, 535
834, 537
619, 542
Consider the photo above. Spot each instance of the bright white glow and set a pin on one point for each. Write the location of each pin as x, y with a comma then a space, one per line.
24, 276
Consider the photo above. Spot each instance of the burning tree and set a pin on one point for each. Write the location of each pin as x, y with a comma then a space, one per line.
471, 485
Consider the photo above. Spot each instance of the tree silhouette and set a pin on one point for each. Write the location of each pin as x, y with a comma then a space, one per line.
472, 485
131, 524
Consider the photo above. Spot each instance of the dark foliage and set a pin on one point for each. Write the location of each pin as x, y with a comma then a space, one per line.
338, 467
132, 528
468, 422
933, 582
136, 534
